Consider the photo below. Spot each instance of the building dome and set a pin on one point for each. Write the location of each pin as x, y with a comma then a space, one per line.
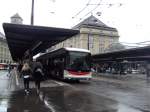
16, 19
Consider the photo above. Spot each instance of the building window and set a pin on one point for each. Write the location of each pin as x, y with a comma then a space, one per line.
90, 41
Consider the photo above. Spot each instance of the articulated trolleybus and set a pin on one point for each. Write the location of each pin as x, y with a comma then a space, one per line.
67, 63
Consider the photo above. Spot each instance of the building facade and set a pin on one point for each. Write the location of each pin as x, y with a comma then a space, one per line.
94, 35
5, 56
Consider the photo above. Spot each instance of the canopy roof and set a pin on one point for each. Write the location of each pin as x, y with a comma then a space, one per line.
22, 38
134, 54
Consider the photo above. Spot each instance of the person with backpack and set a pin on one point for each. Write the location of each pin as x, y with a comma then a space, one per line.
38, 75
26, 74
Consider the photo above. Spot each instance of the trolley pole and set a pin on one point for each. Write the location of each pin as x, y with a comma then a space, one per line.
32, 13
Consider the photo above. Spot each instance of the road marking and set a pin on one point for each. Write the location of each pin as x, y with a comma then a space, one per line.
62, 83
49, 106
108, 80
17, 81
47, 103
59, 83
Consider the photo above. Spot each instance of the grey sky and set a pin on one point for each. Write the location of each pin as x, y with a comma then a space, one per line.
131, 19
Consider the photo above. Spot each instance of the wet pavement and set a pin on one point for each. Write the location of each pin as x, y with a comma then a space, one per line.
98, 95
131, 90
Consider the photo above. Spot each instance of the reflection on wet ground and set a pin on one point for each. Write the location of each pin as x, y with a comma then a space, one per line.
20, 102
59, 98
134, 93
66, 99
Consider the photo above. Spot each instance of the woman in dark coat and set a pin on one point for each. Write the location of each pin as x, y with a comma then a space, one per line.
38, 75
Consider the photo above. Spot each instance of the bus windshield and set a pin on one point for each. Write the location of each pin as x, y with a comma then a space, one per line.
79, 61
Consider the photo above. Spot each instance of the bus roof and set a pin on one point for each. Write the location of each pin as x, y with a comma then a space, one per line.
60, 51
76, 49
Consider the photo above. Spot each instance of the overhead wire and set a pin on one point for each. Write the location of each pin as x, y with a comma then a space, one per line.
82, 9
97, 5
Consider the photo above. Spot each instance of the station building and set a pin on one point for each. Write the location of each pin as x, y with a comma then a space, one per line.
94, 35
5, 56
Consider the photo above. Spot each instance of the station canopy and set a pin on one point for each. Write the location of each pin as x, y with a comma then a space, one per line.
134, 54
24, 38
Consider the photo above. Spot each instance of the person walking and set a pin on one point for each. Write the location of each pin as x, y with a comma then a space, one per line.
148, 69
9, 70
26, 73
38, 75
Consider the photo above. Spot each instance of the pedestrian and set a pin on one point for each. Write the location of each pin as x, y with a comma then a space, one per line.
38, 75
19, 68
26, 74
9, 70
148, 69
11, 79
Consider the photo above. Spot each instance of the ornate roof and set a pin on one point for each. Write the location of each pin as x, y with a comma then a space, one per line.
16, 16
92, 21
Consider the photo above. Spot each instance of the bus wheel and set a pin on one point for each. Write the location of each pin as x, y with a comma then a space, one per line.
77, 81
